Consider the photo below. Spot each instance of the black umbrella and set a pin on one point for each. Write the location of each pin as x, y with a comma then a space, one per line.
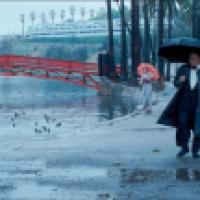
178, 50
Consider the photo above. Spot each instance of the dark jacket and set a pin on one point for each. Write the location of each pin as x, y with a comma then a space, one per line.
169, 117
197, 116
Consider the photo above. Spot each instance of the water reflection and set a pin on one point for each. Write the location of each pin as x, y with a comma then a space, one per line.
112, 106
23, 93
187, 175
36, 93
128, 176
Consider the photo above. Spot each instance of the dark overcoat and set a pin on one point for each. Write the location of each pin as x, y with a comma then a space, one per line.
197, 115
169, 117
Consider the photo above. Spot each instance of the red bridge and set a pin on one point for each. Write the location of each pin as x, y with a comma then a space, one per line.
68, 71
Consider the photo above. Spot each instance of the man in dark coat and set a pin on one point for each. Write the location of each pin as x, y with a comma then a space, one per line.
182, 110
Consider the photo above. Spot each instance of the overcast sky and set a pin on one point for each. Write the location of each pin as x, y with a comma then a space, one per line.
10, 11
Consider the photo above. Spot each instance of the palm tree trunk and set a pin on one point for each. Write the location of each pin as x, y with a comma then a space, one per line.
124, 72
160, 34
111, 39
146, 33
170, 9
196, 18
135, 40
153, 36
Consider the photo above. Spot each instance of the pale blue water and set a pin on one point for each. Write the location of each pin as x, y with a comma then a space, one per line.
37, 93
30, 93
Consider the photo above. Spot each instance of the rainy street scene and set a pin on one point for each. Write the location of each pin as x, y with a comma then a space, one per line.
100, 100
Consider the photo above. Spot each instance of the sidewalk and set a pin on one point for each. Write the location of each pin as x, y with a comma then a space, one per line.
127, 158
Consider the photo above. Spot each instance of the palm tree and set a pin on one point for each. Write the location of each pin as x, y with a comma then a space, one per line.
111, 39
160, 33
32, 17
170, 15
92, 12
43, 18
52, 15
72, 11
83, 12
135, 40
22, 19
146, 32
196, 18
62, 15
124, 73
153, 39
170, 5
186, 9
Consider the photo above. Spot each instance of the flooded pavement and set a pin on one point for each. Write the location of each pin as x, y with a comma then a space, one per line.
36, 94
92, 182
86, 149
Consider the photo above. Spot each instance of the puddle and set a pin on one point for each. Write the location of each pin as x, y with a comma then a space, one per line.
128, 176
187, 175
86, 172
30, 190
74, 176
76, 172
138, 176
99, 181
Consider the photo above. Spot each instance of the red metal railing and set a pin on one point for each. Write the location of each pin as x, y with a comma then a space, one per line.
68, 71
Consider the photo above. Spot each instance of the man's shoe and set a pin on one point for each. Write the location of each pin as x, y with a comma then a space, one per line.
183, 152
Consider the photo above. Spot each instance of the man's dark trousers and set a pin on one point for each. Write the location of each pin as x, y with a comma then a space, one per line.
187, 109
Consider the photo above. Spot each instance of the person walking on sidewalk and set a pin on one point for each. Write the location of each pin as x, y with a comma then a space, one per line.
184, 109
146, 98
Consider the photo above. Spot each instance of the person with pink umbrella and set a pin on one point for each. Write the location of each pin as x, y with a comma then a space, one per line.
148, 74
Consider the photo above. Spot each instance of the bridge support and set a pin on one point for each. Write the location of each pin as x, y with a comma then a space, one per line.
103, 65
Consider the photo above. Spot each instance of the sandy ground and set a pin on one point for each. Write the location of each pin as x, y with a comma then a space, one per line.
128, 158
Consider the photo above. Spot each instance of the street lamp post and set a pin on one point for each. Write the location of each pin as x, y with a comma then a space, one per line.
22, 19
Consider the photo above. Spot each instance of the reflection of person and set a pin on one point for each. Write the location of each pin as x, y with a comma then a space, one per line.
146, 82
183, 111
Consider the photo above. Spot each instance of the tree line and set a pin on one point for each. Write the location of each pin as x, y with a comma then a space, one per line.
153, 22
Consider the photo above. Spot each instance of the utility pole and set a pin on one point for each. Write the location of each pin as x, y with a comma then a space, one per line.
196, 18
135, 40
124, 72
111, 39
160, 34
